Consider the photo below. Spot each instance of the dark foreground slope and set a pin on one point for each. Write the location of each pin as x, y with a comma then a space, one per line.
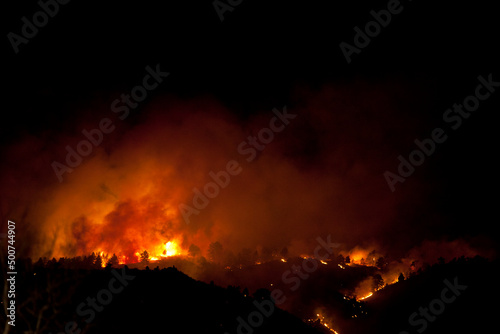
457, 297
140, 301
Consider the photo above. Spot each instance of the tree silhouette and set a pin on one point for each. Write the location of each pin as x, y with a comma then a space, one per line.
381, 262
113, 261
215, 252
88, 261
378, 282
52, 264
98, 262
194, 250
39, 263
144, 257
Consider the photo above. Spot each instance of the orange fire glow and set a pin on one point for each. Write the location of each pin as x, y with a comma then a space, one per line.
323, 322
163, 250
362, 256
366, 296
128, 195
171, 249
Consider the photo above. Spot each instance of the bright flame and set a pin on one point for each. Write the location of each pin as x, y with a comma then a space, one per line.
171, 248
360, 256
367, 296
104, 258
283, 260
324, 262
323, 322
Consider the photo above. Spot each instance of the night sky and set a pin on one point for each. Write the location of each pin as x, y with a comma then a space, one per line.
323, 174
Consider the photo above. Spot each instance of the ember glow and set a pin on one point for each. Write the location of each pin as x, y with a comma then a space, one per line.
367, 296
171, 249
321, 320
167, 143
125, 199
168, 249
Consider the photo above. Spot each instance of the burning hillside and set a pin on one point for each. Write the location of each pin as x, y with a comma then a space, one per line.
126, 197
307, 160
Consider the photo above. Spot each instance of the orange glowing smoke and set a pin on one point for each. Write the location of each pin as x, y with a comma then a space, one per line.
125, 197
361, 256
